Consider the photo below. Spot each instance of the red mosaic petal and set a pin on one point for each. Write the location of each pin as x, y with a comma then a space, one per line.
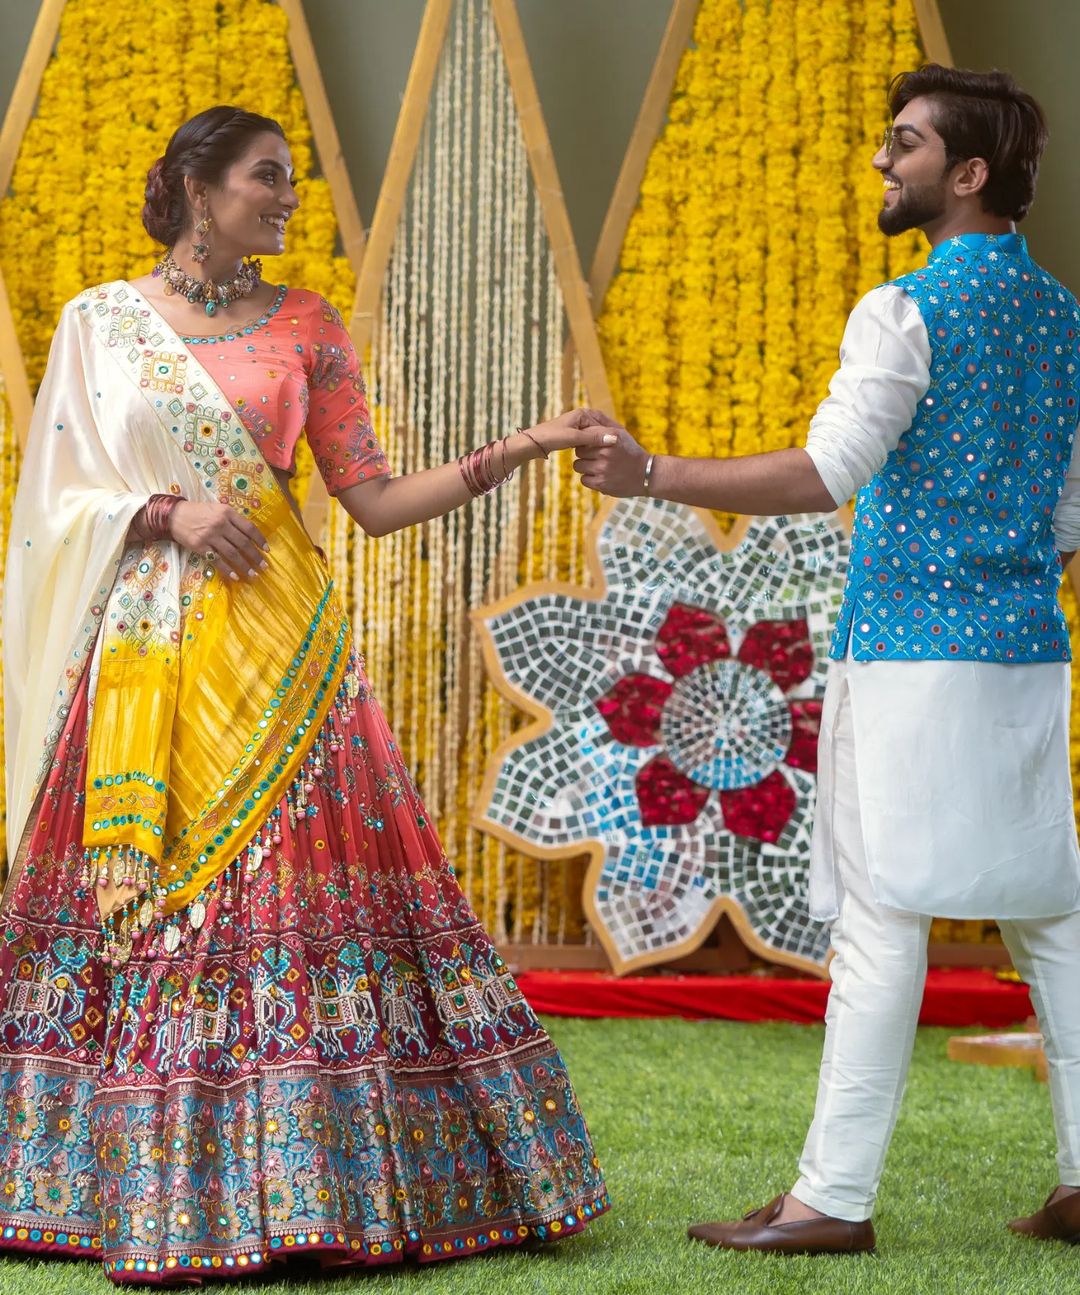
666, 796
780, 648
689, 637
761, 811
805, 725
632, 709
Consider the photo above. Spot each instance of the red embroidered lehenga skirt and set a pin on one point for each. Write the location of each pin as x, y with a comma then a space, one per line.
333, 1062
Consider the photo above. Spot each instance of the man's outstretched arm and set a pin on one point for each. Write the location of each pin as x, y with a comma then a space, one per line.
782, 481
884, 372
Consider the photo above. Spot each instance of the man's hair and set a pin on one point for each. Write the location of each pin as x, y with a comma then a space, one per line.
987, 115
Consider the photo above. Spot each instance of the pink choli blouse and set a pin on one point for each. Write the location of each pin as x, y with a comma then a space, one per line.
294, 370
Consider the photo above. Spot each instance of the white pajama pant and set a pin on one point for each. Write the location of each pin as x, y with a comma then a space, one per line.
878, 973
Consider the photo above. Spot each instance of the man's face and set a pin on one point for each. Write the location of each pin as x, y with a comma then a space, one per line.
912, 164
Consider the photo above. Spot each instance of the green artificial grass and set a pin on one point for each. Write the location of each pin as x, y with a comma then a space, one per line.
698, 1120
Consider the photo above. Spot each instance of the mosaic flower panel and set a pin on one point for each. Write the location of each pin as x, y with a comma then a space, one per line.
704, 668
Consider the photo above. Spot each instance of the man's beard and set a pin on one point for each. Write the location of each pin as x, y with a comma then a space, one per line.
916, 206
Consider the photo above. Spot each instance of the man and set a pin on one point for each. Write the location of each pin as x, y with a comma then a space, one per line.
944, 784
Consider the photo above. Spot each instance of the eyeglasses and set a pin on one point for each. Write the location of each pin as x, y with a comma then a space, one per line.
906, 136
888, 140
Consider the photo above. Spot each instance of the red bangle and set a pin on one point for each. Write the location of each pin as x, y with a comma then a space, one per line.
477, 472
156, 513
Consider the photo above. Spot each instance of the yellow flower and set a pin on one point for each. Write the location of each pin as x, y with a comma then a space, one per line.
755, 231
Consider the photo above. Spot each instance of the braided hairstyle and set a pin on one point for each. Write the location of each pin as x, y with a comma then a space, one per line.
204, 147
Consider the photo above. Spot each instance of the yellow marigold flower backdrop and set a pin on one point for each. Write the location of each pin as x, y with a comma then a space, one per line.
756, 230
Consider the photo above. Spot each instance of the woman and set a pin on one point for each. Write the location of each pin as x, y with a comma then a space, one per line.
245, 1008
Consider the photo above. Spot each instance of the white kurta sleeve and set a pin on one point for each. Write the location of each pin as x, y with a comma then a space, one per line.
884, 372
1067, 512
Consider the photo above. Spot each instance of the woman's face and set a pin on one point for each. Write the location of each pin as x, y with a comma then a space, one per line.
250, 207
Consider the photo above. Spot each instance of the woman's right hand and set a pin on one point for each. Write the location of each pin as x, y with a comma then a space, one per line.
221, 535
575, 428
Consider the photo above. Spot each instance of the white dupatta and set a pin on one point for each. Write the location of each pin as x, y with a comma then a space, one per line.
88, 469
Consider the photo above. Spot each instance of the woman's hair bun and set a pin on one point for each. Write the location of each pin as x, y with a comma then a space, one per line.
159, 214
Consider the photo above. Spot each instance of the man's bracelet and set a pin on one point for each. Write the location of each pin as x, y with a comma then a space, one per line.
648, 474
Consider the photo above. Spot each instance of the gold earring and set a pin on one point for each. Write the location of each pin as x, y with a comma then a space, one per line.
199, 249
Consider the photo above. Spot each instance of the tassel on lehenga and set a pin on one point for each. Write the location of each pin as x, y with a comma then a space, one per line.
143, 918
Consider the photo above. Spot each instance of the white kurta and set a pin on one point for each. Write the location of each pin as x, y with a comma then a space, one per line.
965, 789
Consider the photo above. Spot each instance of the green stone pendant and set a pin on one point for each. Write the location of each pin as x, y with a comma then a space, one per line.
211, 307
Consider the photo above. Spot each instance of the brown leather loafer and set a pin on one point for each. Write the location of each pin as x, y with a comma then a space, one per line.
1056, 1221
825, 1236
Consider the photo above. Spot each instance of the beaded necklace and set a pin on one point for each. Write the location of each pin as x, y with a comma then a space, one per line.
246, 329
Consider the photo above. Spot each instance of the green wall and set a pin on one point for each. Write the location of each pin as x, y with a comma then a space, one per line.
1038, 42
591, 59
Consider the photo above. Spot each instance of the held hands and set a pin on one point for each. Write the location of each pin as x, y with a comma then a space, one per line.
575, 428
222, 535
608, 457
614, 463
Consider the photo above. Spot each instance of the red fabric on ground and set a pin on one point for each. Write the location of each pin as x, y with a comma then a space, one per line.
954, 996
